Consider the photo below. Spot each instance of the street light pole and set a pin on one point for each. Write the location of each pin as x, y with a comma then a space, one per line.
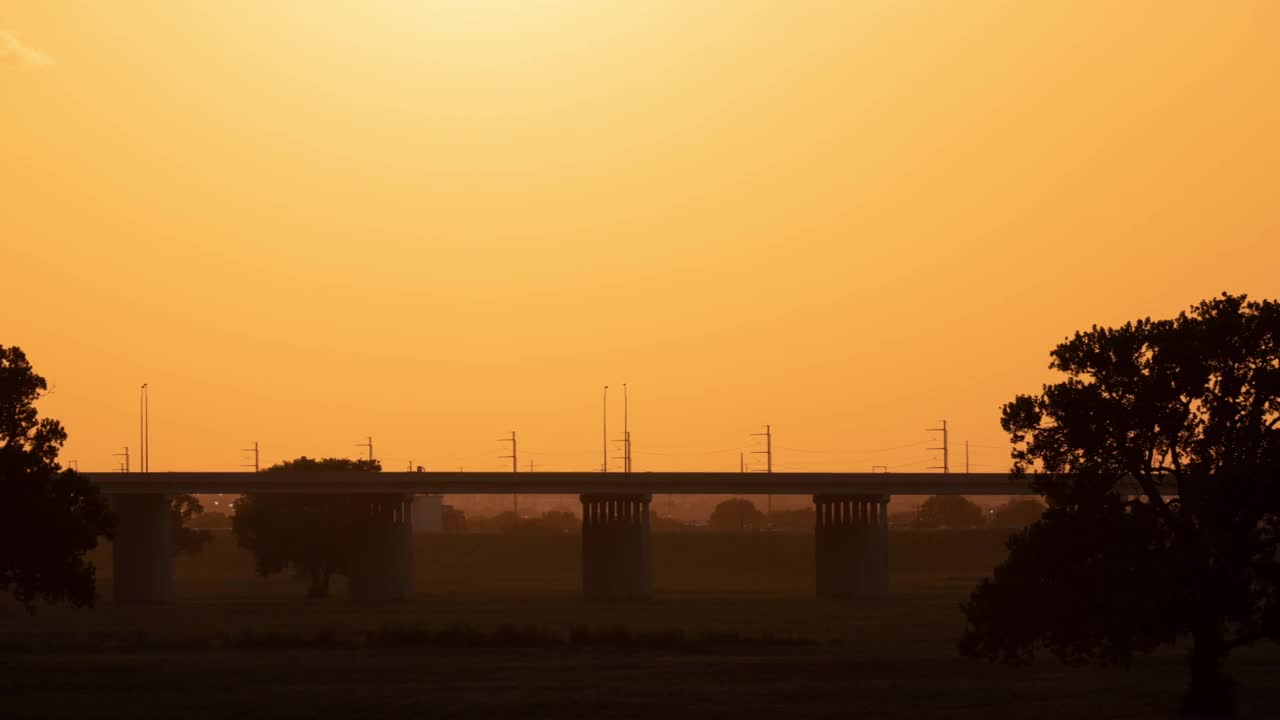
144, 431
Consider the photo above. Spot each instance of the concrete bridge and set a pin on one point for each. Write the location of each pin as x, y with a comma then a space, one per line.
850, 536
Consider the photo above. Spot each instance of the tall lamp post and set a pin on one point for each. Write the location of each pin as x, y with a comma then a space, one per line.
144, 431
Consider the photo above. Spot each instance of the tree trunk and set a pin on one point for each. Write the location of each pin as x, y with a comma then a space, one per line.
319, 584
1210, 695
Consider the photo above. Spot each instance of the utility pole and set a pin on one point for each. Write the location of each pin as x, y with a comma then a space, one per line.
626, 433
966, 457
768, 467
367, 444
124, 464
768, 447
74, 464
946, 458
144, 430
604, 458
253, 450
515, 498
512, 456
742, 462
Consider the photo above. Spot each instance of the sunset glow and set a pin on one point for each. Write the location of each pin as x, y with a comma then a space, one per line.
432, 223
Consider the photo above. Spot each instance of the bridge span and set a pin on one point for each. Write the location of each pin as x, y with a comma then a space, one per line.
851, 519
564, 483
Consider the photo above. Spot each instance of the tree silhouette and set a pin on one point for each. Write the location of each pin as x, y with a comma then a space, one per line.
49, 517
736, 514
1160, 452
949, 511
313, 534
188, 540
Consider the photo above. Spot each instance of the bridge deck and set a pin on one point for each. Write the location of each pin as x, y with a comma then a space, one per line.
547, 483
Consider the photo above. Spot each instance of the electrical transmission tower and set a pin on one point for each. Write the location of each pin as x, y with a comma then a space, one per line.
124, 464
945, 467
253, 450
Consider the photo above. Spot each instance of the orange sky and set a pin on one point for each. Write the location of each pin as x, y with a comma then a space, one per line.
434, 222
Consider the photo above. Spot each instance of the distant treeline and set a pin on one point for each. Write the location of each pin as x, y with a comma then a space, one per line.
777, 562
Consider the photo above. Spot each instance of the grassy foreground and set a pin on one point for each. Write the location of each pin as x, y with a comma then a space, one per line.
498, 630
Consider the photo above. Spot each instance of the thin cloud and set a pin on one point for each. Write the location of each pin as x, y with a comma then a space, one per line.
13, 52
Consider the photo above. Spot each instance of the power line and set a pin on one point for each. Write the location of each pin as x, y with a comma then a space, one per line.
855, 452
691, 453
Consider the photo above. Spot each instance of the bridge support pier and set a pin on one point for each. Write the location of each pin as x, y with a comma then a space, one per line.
851, 545
142, 553
616, 563
381, 566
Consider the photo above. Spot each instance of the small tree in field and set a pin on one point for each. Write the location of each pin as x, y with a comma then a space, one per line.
1161, 460
49, 517
949, 511
736, 514
312, 534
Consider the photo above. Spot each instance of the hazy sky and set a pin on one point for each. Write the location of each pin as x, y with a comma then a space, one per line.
433, 222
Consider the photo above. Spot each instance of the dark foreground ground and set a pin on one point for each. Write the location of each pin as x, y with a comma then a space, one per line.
498, 630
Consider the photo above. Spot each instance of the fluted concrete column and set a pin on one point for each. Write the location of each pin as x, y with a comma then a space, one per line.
142, 554
616, 561
851, 545
381, 566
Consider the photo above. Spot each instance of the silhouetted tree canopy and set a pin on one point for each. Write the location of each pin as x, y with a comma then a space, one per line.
1160, 452
310, 533
1017, 513
49, 517
188, 539
736, 514
949, 511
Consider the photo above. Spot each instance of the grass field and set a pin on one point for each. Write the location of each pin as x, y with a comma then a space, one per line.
497, 629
